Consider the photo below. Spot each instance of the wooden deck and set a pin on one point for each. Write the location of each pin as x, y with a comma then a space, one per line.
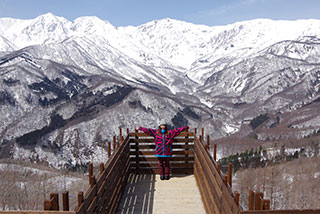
146, 193
129, 182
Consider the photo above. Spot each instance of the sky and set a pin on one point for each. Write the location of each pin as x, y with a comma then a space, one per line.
137, 12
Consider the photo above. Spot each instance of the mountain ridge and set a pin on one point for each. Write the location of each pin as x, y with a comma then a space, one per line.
72, 30
90, 78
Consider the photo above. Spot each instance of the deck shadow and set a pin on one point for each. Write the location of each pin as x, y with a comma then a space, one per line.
138, 196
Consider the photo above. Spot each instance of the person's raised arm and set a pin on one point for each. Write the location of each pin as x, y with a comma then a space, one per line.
177, 131
151, 132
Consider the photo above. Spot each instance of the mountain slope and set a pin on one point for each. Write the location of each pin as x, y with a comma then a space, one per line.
67, 86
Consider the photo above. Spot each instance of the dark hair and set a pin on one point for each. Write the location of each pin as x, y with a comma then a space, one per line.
159, 129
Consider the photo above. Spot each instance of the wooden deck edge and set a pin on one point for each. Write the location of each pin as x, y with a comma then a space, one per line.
306, 211
35, 212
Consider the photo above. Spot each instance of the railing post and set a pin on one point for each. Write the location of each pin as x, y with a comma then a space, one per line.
237, 197
208, 143
186, 148
215, 152
258, 201
80, 198
225, 179
114, 143
202, 132
128, 131
120, 131
118, 145
65, 201
109, 149
219, 168
195, 131
251, 200
90, 169
91, 177
54, 197
230, 174
121, 139
92, 181
47, 205
101, 168
265, 204
137, 151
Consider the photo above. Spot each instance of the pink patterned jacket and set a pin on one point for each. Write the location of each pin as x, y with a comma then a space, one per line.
164, 141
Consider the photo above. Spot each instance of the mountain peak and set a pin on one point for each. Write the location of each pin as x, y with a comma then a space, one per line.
50, 17
179, 42
167, 22
92, 25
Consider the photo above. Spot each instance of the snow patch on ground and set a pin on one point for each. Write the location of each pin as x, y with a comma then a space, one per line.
230, 129
207, 102
64, 181
19, 168
288, 177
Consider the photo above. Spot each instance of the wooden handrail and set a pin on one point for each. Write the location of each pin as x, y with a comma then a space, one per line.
142, 153
216, 195
135, 153
280, 212
36, 212
141, 134
104, 194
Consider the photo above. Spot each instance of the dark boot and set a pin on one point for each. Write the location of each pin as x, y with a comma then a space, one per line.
162, 177
167, 177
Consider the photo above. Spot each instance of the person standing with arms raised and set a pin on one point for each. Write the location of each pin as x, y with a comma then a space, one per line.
163, 139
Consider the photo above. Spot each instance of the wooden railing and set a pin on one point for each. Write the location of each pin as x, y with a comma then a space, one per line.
215, 187
142, 157
106, 189
281, 212
36, 212
215, 192
135, 154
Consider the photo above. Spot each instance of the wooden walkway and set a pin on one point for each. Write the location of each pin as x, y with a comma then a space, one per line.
146, 193
200, 188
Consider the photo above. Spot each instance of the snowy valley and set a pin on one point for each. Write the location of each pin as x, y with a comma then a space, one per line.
67, 86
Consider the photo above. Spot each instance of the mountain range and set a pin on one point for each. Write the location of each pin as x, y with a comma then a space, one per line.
67, 86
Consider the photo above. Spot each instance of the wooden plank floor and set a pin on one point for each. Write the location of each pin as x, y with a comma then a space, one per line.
148, 194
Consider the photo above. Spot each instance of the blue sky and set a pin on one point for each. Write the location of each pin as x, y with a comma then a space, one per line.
137, 12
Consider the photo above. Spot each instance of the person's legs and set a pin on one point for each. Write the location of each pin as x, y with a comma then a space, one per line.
167, 168
161, 166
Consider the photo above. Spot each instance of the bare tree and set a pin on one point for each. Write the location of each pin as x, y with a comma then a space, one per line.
289, 185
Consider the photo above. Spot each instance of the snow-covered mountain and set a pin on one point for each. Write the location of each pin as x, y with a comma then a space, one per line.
67, 86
